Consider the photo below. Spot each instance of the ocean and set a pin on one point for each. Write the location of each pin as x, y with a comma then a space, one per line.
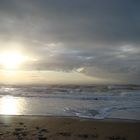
85, 101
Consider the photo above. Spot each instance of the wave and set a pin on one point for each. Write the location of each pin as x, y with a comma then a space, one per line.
96, 114
83, 102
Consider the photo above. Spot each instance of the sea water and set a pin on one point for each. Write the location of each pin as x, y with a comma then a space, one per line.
86, 101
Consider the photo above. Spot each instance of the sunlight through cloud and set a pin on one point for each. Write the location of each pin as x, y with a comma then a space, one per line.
13, 55
12, 60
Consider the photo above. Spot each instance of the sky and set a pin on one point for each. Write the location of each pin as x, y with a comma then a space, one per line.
72, 41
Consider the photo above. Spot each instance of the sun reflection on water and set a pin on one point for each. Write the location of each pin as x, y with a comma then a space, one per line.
10, 105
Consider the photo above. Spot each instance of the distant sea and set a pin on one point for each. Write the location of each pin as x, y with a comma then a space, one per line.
85, 101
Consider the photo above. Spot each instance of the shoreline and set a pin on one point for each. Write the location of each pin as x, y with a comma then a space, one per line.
73, 117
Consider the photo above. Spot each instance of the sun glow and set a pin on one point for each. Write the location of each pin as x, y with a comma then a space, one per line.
12, 60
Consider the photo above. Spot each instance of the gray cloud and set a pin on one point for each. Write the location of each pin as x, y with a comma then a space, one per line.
100, 37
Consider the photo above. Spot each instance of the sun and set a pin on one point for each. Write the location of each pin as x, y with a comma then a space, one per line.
11, 60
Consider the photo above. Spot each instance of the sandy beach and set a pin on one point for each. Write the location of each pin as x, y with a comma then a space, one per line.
66, 128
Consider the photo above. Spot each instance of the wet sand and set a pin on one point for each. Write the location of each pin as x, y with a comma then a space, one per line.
66, 128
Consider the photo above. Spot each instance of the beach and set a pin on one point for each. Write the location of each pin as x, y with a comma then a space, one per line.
16, 127
69, 113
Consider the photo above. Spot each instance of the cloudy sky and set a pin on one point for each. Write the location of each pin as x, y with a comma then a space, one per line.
72, 41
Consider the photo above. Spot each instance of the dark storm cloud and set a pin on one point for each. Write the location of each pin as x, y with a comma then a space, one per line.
96, 37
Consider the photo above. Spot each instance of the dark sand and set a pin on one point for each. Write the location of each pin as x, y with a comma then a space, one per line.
66, 128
